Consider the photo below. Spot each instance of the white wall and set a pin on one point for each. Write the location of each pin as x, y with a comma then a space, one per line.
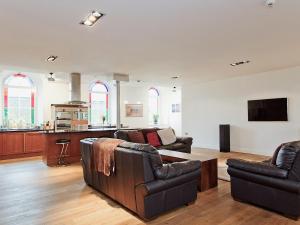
134, 95
170, 118
207, 105
138, 94
53, 93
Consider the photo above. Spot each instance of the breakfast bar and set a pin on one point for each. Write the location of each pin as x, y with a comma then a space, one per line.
52, 150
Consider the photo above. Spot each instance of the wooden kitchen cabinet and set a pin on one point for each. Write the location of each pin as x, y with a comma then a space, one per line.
21, 144
1, 144
34, 142
13, 143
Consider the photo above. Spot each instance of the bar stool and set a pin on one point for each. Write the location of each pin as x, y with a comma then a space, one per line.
64, 151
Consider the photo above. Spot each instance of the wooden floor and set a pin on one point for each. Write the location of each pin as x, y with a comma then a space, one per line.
32, 193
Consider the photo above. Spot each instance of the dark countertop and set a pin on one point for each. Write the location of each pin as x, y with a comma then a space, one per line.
77, 131
36, 130
19, 130
55, 132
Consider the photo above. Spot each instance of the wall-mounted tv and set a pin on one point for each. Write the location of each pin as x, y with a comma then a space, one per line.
268, 110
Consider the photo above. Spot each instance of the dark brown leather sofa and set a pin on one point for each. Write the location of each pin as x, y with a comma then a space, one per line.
182, 144
273, 184
142, 183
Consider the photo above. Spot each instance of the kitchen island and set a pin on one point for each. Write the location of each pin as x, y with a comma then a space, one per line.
51, 151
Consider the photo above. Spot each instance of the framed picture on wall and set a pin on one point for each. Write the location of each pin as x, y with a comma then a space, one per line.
175, 108
134, 110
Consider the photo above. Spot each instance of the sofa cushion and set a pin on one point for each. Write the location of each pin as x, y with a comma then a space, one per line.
152, 153
174, 146
286, 157
145, 131
167, 136
153, 139
136, 137
121, 134
274, 157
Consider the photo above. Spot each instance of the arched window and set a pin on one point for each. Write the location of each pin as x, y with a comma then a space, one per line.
19, 101
98, 99
153, 96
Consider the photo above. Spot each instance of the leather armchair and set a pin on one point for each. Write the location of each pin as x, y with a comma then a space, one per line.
142, 183
272, 184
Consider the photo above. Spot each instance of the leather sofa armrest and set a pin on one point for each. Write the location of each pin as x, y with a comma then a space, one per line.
278, 183
185, 140
261, 168
161, 185
176, 169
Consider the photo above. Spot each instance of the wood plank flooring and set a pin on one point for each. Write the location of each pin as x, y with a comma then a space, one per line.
34, 194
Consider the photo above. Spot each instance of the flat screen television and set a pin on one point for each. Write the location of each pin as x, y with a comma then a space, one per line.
268, 110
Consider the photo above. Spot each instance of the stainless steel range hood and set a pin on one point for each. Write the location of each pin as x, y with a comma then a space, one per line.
76, 89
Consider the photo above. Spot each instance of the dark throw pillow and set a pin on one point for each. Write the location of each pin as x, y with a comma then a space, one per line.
136, 137
153, 139
286, 157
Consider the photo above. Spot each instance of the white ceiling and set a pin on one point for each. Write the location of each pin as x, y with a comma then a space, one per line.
151, 40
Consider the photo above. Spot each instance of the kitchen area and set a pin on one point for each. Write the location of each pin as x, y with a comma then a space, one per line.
69, 123
71, 107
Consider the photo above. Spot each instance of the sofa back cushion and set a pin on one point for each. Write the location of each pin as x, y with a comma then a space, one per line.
273, 161
136, 137
294, 172
148, 130
147, 150
167, 136
153, 139
121, 134
286, 157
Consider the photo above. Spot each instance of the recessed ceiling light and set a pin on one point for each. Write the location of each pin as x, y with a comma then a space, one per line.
97, 14
270, 3
240, 63
92, 18
88, 23
51, 77
51, 58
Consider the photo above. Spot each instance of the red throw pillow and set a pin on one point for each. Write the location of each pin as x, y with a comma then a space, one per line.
136, 137
153, 139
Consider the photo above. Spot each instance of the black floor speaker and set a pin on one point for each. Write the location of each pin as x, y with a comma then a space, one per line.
224, 138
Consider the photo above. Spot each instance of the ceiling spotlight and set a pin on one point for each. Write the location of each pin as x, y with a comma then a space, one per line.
270, 3
92, 18
51, 58
240, 63
51, 77
97, 14
88, 23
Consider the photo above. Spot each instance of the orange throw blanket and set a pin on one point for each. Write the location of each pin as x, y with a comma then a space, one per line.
104, 157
